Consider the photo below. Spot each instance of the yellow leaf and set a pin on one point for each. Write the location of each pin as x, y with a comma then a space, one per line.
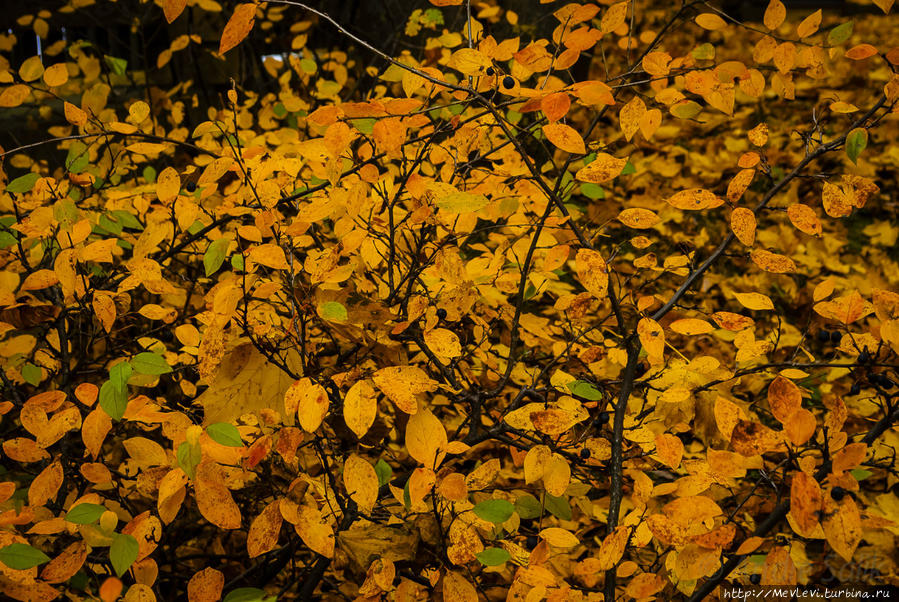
401, 384
74, 115
32, 68
469, 61
269, 255
168, 184
591, 271
312, 403
214, 501
612, 547
809, 25
361, 482
56, 75
640, 219
238, 27
691, 326
557, 475
843, 528
565, 137
560, 538
710, 21
759, 134
614, 17
604, 168
754, 301
535, 463
774, 14
630, 116
656, 63
652, 337
315, 531
773, 262
426, 438
444, 343
360, 407
246, 383
457, 588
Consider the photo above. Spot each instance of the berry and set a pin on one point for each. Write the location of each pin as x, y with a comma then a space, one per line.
864, 356
585, 453
190, 186
887, 383
641, 369
531, 542
823, 336
855, 389
836, 337
508, 82
837, 493
441, 314
602, 418
490, 71
755, 579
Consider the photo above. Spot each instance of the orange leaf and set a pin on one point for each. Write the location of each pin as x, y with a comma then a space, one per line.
315, 531
604, 168
45, 485
742, 222
710, 21
806, 500
784, 398
694, 199
773, 262
861, 52
809, 25
612, 547
238, 27
669, 450
555, 106
264, 531
172, 9
457, 588
565, 138
206, 586
640, 219
843, 528
804, 219
614, 17
630, 116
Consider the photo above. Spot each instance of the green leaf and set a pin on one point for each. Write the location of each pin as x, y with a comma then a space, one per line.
77, 158
704, 52
584, 390
127, 219
528, 507
628, 169
333, 311
115, 64
384, 472
308, 66
592, 191
493, 556
494, 511
119, 374
840, 33
248, 594
113, 400
32, 374
23, 183
860, 474
189, 456
150, 363
123, 552
85, 514
225, 433
21, 556
109, 224
856, 142
149, 174
215, 255
558, 506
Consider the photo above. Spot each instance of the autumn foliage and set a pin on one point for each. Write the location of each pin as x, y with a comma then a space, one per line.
533, 300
